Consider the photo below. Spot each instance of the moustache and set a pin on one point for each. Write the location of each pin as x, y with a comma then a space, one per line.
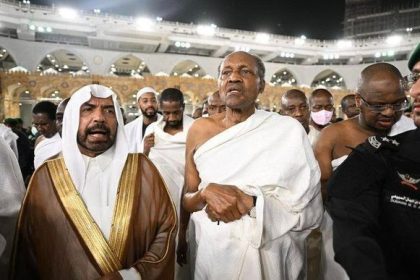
98, 128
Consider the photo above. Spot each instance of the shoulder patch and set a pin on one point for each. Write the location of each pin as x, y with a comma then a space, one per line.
380, 142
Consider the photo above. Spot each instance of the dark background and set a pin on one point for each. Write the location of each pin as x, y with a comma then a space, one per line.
317, 19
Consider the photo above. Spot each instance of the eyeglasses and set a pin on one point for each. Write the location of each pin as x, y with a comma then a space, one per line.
409, 80
399, 106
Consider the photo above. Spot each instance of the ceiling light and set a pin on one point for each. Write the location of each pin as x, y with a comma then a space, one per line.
262, 38
144, 24
300, 41
393, 40
206, 30
344, 44
67, 13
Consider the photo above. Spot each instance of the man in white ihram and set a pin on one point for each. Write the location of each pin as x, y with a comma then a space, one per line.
252, 184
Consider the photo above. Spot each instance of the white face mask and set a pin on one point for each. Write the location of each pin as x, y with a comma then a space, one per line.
322, 117
34, 130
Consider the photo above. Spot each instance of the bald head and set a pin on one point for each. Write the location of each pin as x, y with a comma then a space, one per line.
295, 104
379, 75
292, 94
348, 105
379, 87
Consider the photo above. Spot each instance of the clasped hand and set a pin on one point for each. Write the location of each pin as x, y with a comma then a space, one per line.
226, 203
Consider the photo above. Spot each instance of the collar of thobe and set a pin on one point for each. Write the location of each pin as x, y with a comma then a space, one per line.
102, 161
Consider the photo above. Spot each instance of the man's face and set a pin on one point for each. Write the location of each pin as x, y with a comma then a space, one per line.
415, 94
239, 83
44, 124
386, 89
148, 104
297, 108
59, 117
350, 109
216, 105
322, 102
97, 126
173, 112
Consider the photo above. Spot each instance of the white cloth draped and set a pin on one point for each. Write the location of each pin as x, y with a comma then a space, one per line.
134, 133
268, 156
12, 191
402, 125
313, 135
46, 149
168, 154
9, 138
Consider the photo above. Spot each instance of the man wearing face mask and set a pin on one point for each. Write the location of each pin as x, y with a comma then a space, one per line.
322, 108
381, 99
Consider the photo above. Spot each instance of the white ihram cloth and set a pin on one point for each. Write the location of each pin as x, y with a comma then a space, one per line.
9, 138
168, 155
98, 195
46, 149
134, 133
12, 191
268, 156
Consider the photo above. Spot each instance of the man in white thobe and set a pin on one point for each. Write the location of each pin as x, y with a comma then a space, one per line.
147, 103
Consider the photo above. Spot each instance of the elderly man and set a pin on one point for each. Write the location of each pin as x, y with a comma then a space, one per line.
216, 104
12, 190
295, 104
374, 200
252, 183
48, 144
322, 108
98, 212
348, 105
148, 106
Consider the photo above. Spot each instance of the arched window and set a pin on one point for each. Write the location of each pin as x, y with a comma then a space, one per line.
63, 61
329, 79
129, 65
188, 68
6, 60
283, 78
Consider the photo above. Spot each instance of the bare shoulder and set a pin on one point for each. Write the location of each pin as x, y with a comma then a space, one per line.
203, 129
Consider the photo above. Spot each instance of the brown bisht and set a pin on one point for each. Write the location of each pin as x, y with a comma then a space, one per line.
57, 237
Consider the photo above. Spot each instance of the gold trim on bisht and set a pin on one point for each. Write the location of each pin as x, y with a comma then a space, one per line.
124, 206
79, 215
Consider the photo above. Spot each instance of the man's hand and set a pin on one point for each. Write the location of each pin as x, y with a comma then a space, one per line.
225, 202
149, 142
182, 248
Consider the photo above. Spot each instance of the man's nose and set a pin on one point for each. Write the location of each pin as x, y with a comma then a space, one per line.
98, 116
389, 111
415, 90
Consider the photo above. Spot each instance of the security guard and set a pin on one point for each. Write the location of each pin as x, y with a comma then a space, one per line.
374, 200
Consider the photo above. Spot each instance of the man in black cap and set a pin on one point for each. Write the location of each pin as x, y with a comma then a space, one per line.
374, 200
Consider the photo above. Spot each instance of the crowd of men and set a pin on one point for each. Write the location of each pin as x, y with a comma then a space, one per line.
231, 192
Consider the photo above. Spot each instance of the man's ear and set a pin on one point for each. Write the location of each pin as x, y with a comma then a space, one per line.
262, 86
358, 100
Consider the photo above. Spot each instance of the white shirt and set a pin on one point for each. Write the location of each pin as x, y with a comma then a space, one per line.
96, 197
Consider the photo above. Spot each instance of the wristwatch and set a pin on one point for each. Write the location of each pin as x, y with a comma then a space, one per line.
253, 211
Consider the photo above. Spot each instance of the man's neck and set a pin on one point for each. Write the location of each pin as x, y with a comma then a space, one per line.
149, 120
173, 130
235, 116
317, 126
